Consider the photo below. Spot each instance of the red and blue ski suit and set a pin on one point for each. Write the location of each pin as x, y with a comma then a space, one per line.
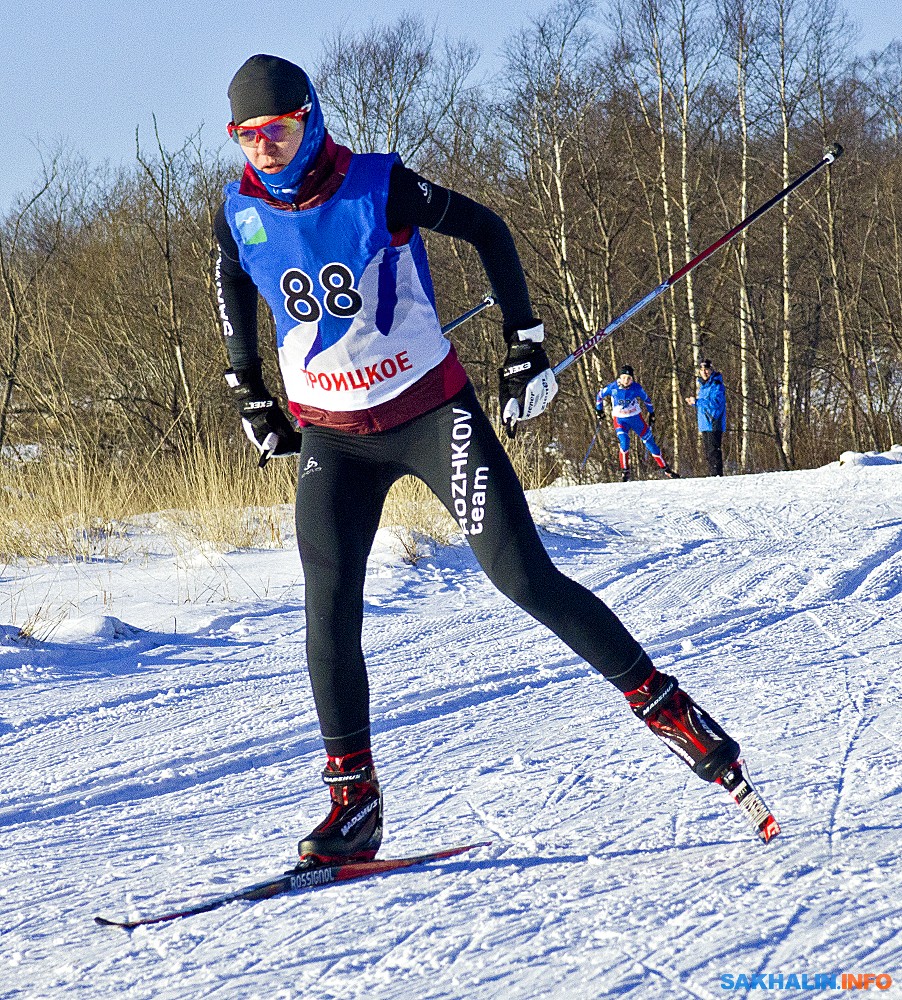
628, 417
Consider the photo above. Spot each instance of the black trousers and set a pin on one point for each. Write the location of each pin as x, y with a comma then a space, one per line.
713, 452
342, 486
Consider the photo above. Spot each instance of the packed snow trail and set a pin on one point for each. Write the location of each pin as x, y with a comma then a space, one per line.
159, 743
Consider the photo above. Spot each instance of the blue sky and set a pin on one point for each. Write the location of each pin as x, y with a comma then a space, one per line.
84, 74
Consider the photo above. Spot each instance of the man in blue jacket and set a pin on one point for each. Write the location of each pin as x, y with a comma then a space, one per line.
711, 409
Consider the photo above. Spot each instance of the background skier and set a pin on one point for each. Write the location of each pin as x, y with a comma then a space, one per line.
625, 395
331, 240
711, 409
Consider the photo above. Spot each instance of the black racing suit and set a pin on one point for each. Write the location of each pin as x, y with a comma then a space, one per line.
344, 479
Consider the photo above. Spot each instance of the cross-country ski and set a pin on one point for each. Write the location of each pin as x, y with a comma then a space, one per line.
298, 879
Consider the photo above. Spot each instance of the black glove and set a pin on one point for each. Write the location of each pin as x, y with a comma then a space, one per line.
651, 419
526, 383
266, 426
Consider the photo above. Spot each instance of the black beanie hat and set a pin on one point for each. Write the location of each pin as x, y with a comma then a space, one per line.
267, 85
627, 370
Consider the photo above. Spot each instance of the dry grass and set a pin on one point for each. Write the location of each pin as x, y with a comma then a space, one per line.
76, 507
415, 515
221, 498
534, 464
72, 507
57, 508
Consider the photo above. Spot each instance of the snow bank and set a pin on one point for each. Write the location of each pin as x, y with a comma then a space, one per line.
891, 457
91, 630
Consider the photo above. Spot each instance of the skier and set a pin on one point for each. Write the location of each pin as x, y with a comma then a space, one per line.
625, 394
711, 410
331, 241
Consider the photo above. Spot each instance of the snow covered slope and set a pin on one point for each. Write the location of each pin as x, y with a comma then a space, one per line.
157, 743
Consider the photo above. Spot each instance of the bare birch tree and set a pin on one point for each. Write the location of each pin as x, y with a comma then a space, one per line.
393, 87
790, 26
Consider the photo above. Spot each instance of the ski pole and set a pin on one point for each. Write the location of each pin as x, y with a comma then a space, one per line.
582, 464
489, 300
831, 153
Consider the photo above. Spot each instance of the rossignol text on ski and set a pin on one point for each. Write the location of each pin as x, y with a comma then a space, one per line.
304, 876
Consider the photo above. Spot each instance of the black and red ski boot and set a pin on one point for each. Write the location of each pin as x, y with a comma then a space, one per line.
695, 737
353, 829
685, 728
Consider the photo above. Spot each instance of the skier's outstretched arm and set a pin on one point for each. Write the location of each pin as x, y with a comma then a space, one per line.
415, 201
526, 383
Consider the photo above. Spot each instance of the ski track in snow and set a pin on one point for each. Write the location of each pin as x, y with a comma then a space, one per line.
168, 751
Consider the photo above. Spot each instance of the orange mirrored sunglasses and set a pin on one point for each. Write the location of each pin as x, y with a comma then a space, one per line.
275, 130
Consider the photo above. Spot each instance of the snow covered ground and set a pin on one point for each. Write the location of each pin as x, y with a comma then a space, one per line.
158, 743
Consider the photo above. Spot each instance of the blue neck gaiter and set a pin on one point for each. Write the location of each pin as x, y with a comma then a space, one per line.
287, 182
